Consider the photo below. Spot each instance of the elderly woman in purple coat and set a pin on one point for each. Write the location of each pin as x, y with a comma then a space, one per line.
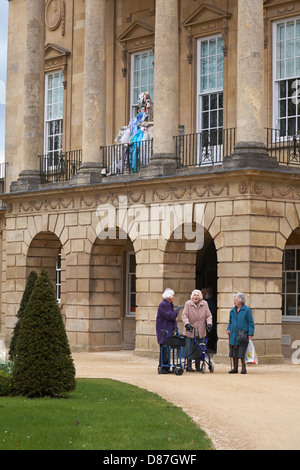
166, 320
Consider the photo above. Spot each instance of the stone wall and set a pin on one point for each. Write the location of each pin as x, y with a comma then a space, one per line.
248, 217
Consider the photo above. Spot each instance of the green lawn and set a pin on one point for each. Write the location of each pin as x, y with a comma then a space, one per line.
100, 415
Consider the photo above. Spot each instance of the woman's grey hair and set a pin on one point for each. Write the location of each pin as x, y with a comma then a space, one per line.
199, 292
168, 293
241, 297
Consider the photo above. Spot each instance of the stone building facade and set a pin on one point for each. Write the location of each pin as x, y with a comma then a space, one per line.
210, 198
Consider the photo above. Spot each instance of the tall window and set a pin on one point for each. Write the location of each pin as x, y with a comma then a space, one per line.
131, 284
54, 117
142, 77
291, 283
287, 77
210, 92
58, 277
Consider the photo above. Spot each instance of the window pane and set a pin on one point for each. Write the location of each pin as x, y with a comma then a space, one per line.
212, 81
290, 305
289, 260
204, 48
290, 30
212, 47
282, 89
214, 101
281, 32
290, 68
291, 286
204, 66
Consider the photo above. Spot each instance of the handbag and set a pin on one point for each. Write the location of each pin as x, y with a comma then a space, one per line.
242, 337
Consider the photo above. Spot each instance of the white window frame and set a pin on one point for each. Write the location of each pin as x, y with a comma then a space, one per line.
149, 87
216, 150
293, 318
50, 161
129, 276
276, 81
58, 277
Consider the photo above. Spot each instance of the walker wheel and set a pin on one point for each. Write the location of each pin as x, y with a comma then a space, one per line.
159, 369
211, 367
178, 371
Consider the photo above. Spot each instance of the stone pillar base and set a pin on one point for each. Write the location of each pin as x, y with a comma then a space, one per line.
89, 173
160, 165
29, 180
250, 155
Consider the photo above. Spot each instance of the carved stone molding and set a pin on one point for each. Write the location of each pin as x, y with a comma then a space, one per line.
204, 20
113, 199
55, 12
291, 191
207, 190
139, 35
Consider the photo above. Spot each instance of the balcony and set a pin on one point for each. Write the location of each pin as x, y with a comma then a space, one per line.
125, 159
286, 148
59, 167
204, 150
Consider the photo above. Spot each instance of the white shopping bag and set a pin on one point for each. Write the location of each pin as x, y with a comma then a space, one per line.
251, 357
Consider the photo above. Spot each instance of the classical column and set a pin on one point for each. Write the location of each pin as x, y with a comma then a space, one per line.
94, 91
250, 149
166, 86
33, 100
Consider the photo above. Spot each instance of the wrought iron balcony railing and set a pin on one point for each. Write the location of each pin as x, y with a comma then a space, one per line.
286, 148
122, 159
59, 167
205, 148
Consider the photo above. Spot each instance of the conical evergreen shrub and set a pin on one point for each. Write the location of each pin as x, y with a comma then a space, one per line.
24, 301
43, 364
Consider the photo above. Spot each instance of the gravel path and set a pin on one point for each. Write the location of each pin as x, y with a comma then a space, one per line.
257, 411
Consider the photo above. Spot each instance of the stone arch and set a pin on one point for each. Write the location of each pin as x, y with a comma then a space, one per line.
182, 266
110, 324
290, 288
42, 253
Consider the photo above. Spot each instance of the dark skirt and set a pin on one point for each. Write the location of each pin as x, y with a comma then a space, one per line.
238, 351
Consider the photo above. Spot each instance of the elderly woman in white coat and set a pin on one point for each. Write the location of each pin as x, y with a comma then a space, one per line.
196, 317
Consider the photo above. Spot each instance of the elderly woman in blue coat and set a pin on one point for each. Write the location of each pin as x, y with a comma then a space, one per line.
166, 321
240, 320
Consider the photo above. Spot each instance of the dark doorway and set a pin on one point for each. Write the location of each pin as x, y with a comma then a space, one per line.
207, 282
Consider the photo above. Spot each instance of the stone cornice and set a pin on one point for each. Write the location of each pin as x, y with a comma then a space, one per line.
237, 184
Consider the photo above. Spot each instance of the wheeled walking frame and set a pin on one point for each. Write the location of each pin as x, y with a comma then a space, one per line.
171, 353
200, 355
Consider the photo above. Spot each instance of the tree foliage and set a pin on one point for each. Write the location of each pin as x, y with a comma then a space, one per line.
24, 301
43, 363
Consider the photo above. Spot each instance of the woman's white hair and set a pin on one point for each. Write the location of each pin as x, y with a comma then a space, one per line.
199, 292
168, 293
241, 297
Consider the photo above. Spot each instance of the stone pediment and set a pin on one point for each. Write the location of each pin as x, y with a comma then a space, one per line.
55, 57
206, 14
138, 30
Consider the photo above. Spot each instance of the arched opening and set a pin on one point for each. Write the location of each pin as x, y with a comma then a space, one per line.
207, 281
45, 251
112, 322
186, 270
291, 293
